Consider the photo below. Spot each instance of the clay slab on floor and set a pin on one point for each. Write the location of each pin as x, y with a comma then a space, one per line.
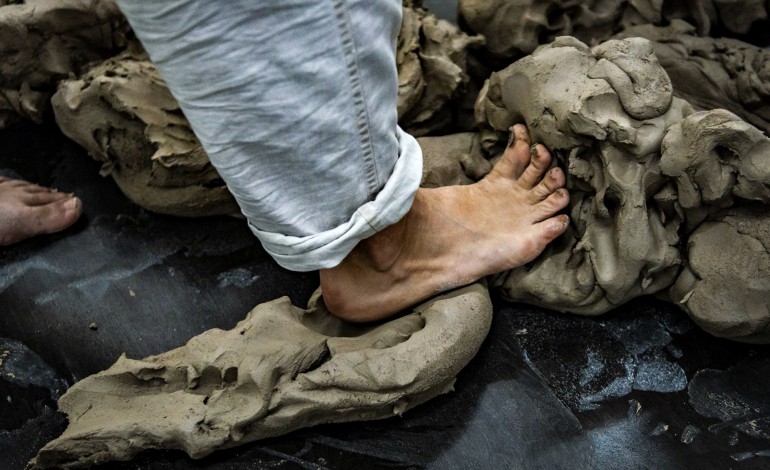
639, 388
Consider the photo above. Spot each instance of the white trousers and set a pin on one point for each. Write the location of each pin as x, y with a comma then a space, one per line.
295, 103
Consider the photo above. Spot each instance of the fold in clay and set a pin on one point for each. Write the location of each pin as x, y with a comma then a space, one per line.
516, 27
432, 60
643, 172
43, 41
122, 113
713, 73
280, 369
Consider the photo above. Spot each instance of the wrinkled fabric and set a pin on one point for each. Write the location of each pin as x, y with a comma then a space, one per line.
295, 104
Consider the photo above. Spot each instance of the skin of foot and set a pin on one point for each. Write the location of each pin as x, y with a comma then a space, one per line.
27, 210
453, 236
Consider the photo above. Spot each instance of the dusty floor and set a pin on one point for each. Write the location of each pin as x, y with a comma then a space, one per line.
638, 388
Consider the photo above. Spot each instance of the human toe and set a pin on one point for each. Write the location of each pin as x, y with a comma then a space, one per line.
557, 201
552, 181
532, 174
41, 198
54, 217
73, 208
554, 227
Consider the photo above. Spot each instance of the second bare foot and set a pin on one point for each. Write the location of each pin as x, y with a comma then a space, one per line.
27, 210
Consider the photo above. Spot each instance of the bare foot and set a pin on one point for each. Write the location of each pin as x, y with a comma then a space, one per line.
27, 210
454, 236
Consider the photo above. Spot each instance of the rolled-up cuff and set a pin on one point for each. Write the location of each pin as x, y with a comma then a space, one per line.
327, 249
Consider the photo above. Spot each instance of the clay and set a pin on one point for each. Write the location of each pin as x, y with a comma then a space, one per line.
43, 41
280, 369
715, 158
643, 172
713, 73
725, 284
455, 159
734, 16
122, 113
516, 27
432, 61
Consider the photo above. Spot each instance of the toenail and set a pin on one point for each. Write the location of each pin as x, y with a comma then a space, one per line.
554, 172
72, 203
511, 138
533, 151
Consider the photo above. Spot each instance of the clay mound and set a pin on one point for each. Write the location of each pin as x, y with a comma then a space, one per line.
643, 172
516, 27
43, 41
431, 55
280, 369
122, 113
713, 72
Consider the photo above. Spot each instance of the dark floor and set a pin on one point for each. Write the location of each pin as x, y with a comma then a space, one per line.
641, 387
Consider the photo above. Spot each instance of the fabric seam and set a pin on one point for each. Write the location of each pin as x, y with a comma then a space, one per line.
362, 116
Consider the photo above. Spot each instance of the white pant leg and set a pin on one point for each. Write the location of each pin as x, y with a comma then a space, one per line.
295, 103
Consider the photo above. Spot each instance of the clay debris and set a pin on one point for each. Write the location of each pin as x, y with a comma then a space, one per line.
431, 55
122, 113
454, 159
43, 41
280, 369
516, 27
713, 72
644, 170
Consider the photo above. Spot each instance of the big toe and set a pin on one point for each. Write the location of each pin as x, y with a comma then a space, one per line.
42, 219
58, 215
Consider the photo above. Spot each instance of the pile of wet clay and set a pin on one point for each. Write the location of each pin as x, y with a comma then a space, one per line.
516, 27
43, 41
664, 200
712, 72
280, 369
122, 113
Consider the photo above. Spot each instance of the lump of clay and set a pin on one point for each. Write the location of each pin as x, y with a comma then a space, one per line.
122, 113
454, 159
643, 171
43, 41
280, 369
432, 60
713, 73
735, 16
714, 158
603, 114
725, 284
516, 27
